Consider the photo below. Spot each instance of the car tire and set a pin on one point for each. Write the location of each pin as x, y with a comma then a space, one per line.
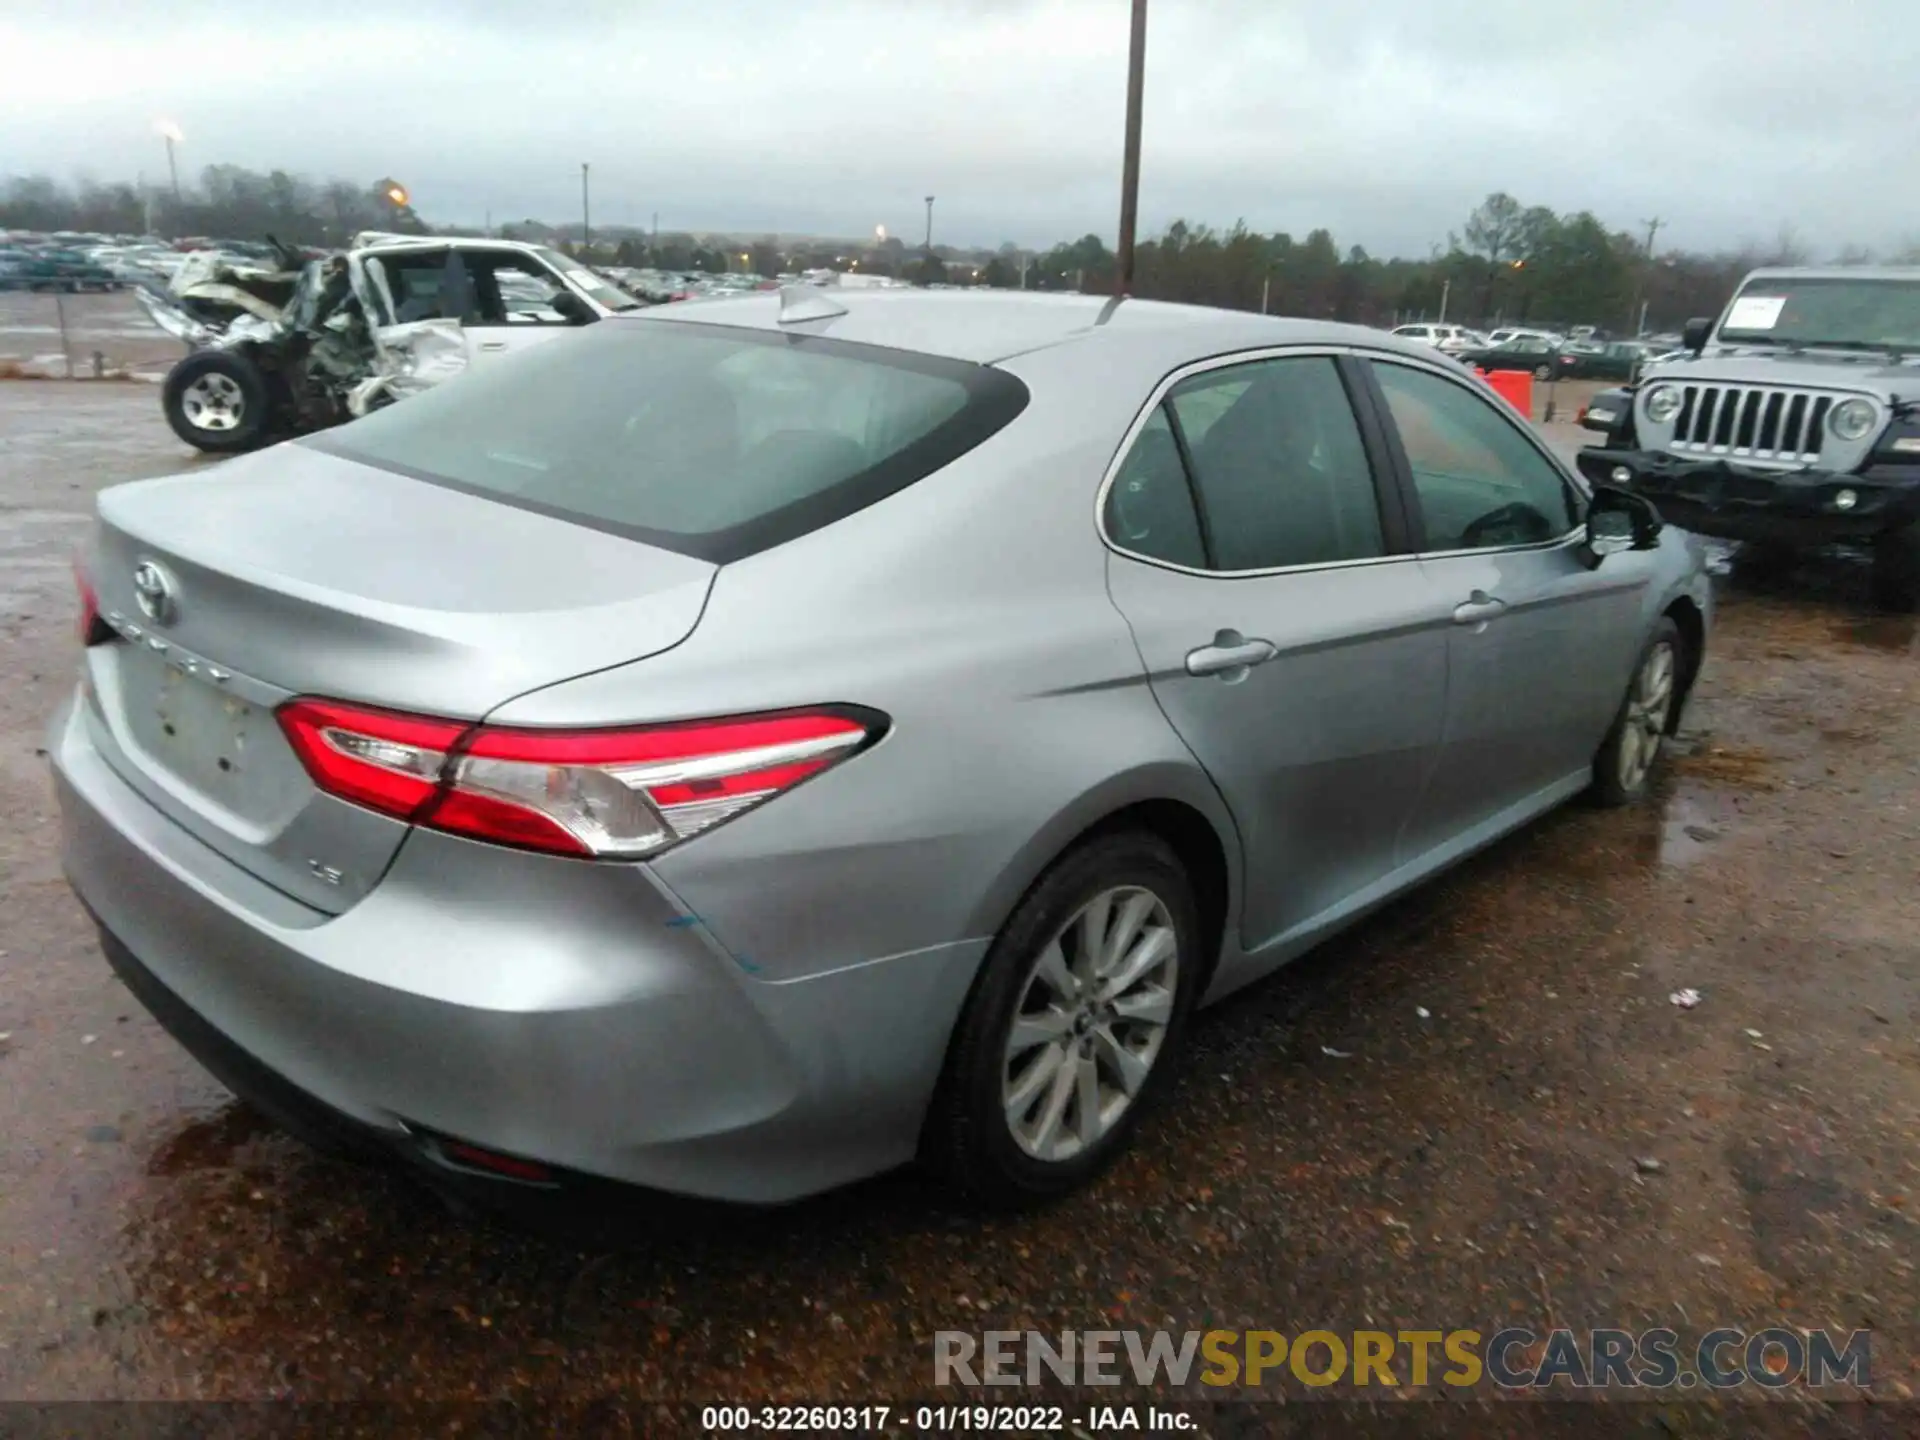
1542, 373
216, 401
1895, 578
988, 1130
1624, 765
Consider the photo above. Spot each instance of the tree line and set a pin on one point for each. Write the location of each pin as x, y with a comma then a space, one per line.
229, 203
1508, 263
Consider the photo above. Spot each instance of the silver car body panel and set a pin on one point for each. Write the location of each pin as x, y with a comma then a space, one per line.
763, 1011
326, 577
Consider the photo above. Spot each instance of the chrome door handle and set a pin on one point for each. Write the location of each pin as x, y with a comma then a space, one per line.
1229, 653
1479, 608
493, 344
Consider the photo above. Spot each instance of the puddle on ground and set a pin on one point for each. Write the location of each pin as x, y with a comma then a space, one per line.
209, 1141
1692, 821
1881, 632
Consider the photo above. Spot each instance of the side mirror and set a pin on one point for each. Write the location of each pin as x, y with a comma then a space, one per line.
1694, 336
1619, 520
571, 308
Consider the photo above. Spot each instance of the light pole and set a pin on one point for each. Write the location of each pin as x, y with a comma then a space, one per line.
586, 211
170, 132
1130, 163
930, 225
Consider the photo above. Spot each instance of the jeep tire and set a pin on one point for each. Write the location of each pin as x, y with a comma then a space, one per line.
1895, 579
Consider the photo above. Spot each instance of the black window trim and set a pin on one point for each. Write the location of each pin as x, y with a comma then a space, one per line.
995, 398
1202, 521
1402, 470
1395, 536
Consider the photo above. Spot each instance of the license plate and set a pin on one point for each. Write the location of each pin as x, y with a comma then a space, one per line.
197, 731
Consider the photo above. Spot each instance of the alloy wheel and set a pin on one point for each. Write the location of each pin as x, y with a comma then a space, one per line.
1649, 704
1092, 1017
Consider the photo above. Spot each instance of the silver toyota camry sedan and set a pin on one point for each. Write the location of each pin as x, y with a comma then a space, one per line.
756, 743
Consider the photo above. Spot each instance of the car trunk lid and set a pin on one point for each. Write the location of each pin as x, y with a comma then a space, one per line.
294, 572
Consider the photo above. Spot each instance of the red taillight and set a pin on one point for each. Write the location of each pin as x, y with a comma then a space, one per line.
598, 793
511, 1166
381, 759
92, 628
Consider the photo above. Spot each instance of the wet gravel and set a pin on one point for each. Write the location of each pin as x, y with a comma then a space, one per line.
1479, 1108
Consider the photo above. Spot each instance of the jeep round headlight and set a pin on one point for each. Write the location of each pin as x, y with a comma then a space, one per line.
1663, 403
1852, 419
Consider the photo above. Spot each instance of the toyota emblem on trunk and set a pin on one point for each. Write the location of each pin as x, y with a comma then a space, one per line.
153, 588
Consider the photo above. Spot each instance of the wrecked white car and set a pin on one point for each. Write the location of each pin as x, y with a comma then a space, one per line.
281, 351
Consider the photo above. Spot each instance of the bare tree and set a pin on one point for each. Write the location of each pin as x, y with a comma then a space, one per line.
1496, 228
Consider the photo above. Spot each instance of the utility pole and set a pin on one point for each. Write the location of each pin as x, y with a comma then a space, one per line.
586, 210
1646, 273
1130, 161
1266, 284
1446, 289
170, 132
930, 226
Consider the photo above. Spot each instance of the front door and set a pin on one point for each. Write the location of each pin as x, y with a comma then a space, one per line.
1296, 648
1542, 643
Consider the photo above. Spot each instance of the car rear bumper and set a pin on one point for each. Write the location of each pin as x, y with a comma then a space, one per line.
1734, 502
568, 1013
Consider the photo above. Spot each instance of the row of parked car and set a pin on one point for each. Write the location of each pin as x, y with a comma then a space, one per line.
1584, 354
45, 268
72, 261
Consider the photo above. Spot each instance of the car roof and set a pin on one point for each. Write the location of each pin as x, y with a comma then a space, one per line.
997, 325
386, 240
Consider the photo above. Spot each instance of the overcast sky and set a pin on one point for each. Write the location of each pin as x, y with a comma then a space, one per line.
1384, 120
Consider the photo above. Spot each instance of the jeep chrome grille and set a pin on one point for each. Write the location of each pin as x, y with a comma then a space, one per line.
1758, 422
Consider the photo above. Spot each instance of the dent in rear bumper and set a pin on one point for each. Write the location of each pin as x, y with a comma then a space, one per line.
562, 1011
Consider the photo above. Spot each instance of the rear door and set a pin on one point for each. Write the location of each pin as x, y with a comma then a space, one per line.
1541, 644
1290, 637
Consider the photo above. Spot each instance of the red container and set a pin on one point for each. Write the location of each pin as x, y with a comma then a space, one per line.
1516, 388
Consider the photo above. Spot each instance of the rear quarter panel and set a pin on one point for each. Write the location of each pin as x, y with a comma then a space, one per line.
972, 609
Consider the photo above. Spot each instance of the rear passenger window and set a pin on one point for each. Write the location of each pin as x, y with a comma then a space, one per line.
1150, 506
1279, 464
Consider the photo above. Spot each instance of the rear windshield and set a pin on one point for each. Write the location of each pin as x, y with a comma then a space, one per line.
707, 440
